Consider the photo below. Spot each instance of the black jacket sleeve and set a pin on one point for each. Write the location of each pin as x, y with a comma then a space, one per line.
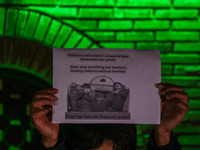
173, 145
59, 145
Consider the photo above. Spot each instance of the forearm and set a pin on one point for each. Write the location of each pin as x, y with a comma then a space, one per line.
161, 137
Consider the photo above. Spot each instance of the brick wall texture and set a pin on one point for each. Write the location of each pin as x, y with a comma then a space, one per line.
172, 26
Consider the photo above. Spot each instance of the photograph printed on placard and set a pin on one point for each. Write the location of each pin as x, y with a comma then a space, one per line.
101, 94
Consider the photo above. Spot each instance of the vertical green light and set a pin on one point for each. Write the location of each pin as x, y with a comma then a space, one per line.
62, 36
140, 141
42, 27
1, 109
1, 136
10, 22
21, 22
2, 12
54, 28
27, 110
31, 125
73, 40
28, 136
31, 24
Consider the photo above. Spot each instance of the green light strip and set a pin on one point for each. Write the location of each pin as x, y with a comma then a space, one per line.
1, 136
31, 125
27, 110
1, 109
14, 148
28, 136
15, 122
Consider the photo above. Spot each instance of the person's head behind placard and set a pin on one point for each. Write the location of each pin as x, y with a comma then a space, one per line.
92, 136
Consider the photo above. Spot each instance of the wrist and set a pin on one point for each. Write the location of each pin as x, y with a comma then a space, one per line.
49, 142
161, 136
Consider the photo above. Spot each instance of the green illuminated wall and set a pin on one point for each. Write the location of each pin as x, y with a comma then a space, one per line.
171, 26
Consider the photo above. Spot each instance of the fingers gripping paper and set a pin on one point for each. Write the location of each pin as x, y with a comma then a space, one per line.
106, 86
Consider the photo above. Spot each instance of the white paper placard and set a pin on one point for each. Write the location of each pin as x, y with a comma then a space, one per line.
106, 86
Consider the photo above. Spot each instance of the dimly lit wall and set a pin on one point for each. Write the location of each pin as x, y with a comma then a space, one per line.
30, 28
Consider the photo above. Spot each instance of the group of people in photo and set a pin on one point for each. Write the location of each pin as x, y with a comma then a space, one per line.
81, 98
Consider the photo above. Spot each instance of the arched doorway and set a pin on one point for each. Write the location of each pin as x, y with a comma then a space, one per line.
26, 41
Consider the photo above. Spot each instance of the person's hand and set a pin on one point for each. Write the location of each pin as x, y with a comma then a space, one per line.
41, 114
174, 107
